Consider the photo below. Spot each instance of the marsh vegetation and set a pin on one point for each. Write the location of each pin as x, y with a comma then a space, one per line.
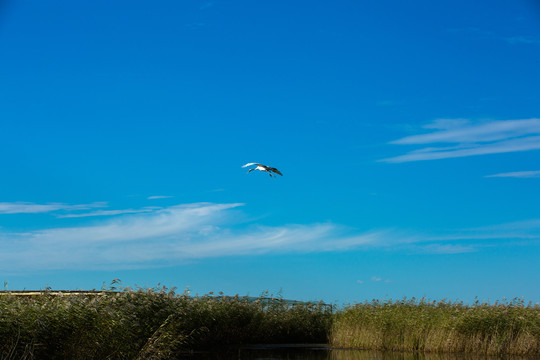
153, 323
508, 327
157, 323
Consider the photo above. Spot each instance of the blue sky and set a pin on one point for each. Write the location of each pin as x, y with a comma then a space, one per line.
408, 135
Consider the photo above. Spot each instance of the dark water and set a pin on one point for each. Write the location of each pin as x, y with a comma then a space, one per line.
320, 352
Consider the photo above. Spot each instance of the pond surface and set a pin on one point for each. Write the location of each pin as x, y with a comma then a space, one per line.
320, 352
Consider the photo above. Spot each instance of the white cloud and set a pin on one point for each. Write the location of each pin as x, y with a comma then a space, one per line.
468, 139
165, 236
21, 207
447, 248
106, 213
525, 230
518, 174
517, 230
522, 40
485, 34
173, 235
159, 197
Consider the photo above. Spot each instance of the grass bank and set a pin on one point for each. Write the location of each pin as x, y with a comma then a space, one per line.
148, 324
428, 326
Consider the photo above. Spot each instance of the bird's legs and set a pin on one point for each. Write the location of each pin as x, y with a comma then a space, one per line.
250, 170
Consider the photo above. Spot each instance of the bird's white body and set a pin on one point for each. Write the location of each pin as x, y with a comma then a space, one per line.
265, 168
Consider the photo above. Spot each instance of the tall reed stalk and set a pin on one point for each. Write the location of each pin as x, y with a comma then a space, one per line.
420, 325
148, 324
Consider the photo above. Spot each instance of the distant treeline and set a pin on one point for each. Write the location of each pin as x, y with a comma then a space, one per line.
157, 323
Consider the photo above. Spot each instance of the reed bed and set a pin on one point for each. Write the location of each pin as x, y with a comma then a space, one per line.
508, 327
151, 323
157, 323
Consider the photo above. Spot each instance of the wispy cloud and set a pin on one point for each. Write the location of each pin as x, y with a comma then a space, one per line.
525, 230
522, 40
159, 197
467, 240
20, 207
173, 235
165, 236
469, 139
438, 248
107, 213
518, 174
490, 35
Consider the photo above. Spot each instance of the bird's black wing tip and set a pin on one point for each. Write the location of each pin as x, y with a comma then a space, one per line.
276, 171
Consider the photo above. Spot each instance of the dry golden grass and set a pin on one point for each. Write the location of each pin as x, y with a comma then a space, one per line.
410, 325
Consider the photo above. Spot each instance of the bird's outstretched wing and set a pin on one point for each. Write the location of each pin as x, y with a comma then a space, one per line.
276, 171
249, 164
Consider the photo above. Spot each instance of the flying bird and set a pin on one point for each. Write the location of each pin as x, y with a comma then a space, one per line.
261, 167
